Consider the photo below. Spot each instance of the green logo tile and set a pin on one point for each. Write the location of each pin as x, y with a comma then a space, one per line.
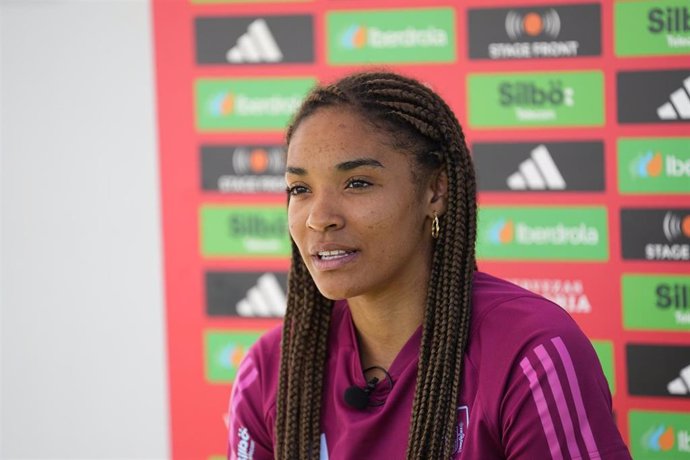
248, 104
543, 233
654, 165
659, 435
656, 302
536, 99
224, 351
657, 27
244, 231
391, 36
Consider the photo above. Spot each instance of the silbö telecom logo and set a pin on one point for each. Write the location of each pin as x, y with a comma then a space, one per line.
244, 231
573, 98
533, 102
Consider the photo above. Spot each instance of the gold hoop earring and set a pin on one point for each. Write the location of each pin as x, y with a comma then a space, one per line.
435, 227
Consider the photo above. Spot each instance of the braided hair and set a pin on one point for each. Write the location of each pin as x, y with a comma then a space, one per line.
418, 120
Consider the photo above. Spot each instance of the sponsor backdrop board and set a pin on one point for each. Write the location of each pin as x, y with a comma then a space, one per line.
531, 99
546, 167
577, 113
654, 165
656, 302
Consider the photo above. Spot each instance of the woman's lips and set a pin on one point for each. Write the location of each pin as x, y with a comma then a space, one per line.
333, 259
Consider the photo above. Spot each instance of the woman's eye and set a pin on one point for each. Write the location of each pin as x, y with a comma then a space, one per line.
358, 183
296, 190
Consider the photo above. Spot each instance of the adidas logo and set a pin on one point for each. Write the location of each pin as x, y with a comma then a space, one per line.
679, 105
539, 172
681, 385
266, 298
257, 45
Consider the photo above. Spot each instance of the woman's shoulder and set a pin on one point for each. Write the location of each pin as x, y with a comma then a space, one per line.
268, 344
511, 324
492, 296
266, 350
505, 313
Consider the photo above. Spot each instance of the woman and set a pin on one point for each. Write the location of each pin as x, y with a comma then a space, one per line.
393, 345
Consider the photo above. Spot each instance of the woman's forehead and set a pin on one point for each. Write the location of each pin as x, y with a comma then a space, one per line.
331, 132
341, 116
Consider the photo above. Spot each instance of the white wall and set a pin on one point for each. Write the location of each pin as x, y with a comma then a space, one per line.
81, 294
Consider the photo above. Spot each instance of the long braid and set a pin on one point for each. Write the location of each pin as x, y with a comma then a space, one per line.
305, 332
303, 353
423, 124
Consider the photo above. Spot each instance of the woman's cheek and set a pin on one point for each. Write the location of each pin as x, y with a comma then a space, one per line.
381, 220
293, 224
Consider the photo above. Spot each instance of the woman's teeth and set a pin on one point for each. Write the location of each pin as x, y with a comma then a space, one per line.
329, 255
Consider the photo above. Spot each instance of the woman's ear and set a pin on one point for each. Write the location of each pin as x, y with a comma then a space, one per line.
438, 186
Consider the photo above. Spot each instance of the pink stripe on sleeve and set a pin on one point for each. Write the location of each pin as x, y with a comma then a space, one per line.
585, 428
246, 375
561, 405
542, 409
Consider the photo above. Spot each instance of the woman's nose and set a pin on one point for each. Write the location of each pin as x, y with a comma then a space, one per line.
325, 215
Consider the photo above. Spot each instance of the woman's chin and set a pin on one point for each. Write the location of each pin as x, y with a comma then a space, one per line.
333, 292
332, 295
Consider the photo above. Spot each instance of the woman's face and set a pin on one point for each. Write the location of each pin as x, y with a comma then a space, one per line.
360, 222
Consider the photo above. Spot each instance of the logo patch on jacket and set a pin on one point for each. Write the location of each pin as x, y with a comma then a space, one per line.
461, 428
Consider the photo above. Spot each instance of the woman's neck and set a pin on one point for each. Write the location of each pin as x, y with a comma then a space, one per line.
385, 324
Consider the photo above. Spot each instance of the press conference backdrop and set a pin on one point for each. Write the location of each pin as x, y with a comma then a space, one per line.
578, 117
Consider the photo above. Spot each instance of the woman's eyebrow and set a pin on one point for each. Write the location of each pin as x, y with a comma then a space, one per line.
296, 171
344, 166
352, 164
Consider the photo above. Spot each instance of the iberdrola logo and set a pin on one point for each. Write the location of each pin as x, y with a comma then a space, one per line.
355, 37
659, 439
502, 232
222, 104
391, 36
230, 356
646, 165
